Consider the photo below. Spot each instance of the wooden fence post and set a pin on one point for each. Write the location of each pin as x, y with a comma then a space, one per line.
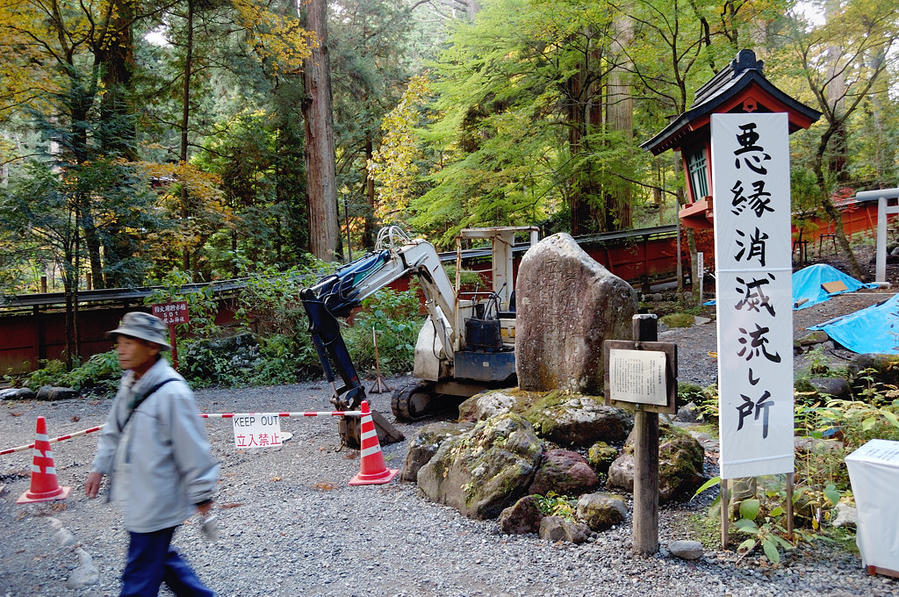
646, 458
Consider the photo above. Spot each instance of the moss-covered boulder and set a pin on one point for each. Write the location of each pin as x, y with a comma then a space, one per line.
681, 460
424, 445
600, 511
600, 456
564, 472
522, 517
562, 417
578, 420
484, 470
556, 528
491, 403
868, 370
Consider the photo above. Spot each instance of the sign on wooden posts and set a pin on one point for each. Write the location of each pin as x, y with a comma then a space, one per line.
753, 263
172, 314
642, 375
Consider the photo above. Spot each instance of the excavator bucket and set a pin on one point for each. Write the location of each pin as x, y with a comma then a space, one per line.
349, 429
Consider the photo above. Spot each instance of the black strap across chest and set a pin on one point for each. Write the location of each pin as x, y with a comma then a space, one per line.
138, 398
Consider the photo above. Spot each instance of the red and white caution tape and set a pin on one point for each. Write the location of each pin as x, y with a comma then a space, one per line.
326, 413
55, 439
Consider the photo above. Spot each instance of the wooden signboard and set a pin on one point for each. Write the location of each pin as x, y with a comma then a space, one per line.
643, 373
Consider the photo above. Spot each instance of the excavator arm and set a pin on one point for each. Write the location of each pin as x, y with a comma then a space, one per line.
336, 295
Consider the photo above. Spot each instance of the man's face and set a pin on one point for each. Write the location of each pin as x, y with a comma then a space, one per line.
135, 354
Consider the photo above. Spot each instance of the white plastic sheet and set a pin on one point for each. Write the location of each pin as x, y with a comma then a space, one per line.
874, 474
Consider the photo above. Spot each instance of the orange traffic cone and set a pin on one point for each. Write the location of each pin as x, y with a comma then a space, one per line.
43, 472
373, 471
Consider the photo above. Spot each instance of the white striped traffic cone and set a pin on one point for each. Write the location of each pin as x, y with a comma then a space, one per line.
373, 470
44, 486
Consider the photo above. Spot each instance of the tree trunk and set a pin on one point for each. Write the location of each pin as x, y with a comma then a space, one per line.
117, 132
368, 232
827, 205
321, 177
578, 205
620, 111
185, 120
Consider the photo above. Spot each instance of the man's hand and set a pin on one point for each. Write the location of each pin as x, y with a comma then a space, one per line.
92, 485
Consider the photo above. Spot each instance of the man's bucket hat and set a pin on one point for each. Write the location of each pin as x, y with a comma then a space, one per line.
144, 326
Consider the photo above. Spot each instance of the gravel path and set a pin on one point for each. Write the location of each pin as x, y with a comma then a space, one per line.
290, 525
694, 344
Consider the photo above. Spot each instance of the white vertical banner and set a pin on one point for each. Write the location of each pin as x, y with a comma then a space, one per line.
753, 263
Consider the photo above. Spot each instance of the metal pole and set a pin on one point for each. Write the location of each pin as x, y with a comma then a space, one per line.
646, 458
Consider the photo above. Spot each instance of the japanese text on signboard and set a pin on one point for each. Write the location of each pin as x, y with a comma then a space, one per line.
750, 178
171, 313
257, 430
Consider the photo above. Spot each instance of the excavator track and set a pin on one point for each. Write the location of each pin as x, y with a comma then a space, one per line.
413, 400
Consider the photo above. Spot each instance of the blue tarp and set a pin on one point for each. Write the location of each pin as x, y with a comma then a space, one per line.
874, 329
807, 284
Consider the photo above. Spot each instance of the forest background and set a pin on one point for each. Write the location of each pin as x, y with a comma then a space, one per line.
159, 143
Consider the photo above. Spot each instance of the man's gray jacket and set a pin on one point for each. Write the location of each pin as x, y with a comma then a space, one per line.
160, 465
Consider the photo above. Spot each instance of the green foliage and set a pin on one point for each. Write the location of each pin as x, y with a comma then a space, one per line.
396, 320
270, 302
100, 374
678, 320
201, 304
553, 504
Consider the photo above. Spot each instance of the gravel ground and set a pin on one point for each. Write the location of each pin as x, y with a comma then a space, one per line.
696, 345
290, 525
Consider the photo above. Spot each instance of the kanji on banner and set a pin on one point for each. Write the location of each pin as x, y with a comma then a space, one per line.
753, 263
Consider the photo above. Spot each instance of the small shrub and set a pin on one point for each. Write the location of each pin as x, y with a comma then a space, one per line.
395, 318
553, 504
101, 373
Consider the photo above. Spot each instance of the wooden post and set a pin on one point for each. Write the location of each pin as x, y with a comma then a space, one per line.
725, 514
380, 386
174, 343
646, 458
790, 505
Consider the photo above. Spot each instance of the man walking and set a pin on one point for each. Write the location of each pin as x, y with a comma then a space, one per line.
154, 448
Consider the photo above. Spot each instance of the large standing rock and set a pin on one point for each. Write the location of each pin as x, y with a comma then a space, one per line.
567, 304
565, 472
680, 468
481, 472
424, 445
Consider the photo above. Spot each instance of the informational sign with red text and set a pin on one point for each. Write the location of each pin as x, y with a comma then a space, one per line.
257, 430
